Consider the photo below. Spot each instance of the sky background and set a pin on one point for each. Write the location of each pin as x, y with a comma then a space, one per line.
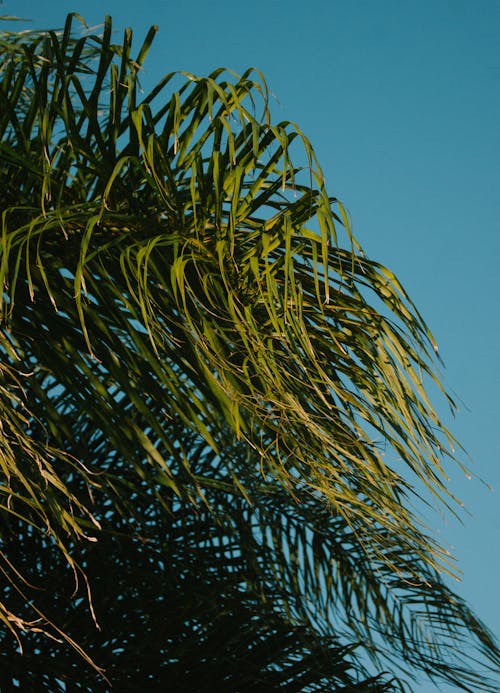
401, 100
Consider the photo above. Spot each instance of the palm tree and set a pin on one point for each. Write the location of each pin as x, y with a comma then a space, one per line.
215, 432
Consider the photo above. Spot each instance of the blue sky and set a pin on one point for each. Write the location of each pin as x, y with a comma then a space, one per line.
402, 103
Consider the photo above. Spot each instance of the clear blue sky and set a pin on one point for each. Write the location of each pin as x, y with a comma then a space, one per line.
402, 103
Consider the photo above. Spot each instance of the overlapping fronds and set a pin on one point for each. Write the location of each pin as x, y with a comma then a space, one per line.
193, 341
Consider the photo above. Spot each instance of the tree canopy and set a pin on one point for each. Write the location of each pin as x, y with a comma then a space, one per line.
215, 429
